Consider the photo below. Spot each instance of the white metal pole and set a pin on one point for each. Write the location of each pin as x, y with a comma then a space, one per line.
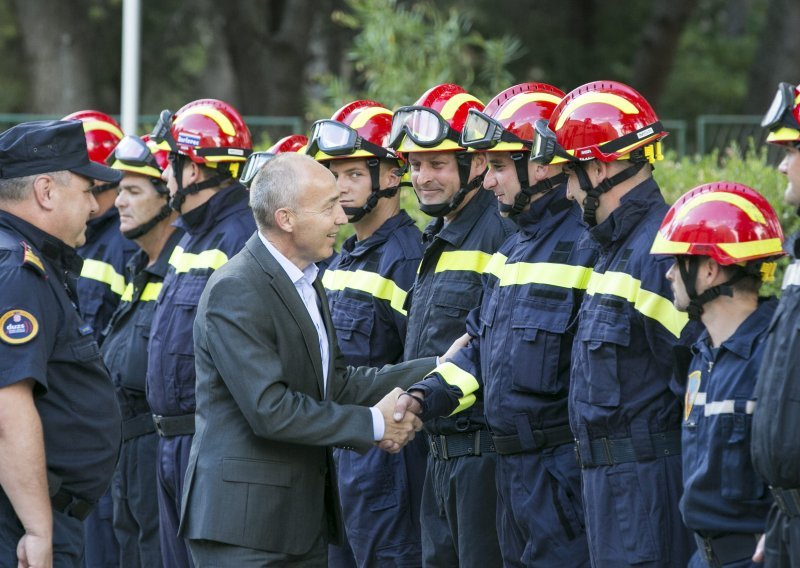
131, 41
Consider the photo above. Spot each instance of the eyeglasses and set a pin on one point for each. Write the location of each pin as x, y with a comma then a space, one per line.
780, 111
253, 165
337, 139
424, 126
133, 151
162, 132
482, 132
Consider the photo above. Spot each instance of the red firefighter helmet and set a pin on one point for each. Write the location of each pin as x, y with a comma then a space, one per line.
359, 129
434, 123
209, 131
139, 156
103, 133
256, 160
291, 143
605, 120
727, 221
783, 116
507, 123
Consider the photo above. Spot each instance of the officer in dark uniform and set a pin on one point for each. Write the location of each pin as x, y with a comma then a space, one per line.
208, 141
467, 229
521, 349
366, 285
776, 422
725, 238
59, 420
146, 217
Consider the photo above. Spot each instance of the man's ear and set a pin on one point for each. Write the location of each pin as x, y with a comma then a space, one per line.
44, 188
285, 219
478, 164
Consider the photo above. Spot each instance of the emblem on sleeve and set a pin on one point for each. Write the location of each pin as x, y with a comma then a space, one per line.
31, 259
692, 388
18, 326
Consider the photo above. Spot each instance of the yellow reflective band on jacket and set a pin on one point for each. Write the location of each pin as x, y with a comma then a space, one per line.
645, 302
550, 273
471, 260
150, 292
186, 261
105, 273
456, 376
373, 284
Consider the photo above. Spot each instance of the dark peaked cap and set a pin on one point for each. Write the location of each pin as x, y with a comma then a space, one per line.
46, 146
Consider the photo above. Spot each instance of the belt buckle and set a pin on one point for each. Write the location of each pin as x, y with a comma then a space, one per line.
157, 421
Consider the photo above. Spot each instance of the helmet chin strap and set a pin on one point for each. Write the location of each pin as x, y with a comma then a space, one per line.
696, 301
180, 195
355, 214
464, 161
592, 200
527, 191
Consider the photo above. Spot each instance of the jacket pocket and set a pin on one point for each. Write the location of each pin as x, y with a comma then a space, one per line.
739, 479
536, 335
602, 334
261, 472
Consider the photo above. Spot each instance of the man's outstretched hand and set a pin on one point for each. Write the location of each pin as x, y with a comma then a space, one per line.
399, 426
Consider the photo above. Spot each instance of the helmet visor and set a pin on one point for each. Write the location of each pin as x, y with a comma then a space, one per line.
545, 146
253, 165
133, 151
780, 111
483, 133
424, 126
162, 131
337, 139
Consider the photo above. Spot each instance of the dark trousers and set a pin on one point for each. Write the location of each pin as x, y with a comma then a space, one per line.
101, 549
134, 489
172, 458
212, 554
782, 545
67, 537
539, 510
459, 501
632, 516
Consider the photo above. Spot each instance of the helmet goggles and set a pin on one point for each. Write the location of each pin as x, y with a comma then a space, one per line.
780, 111
545, 146
337, 139
253, 165
133, 151
162, 132
424, 126
482, 132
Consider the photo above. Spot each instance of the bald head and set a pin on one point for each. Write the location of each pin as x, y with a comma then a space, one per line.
281, 182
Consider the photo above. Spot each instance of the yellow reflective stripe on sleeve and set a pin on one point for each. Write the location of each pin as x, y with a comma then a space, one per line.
550, 273
105, 273
645, 302
186, 261
373, 284
496, 264
456, 376
472, 260
150, 292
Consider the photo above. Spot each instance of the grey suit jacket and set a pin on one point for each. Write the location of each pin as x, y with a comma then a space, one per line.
260, 471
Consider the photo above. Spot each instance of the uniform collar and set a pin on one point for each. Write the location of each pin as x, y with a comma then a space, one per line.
457, 230
544, 212
746, 337
138, 262
55, 250
224, 202
633, 206
355, 248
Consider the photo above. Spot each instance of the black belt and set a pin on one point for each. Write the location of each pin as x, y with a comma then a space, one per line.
71, 505
137, 426
720, 550
475, 443
169, 426
787, 500
545, 438
608, 451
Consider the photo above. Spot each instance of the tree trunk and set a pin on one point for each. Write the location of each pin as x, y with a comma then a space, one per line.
658, 46
777, 57
56, 45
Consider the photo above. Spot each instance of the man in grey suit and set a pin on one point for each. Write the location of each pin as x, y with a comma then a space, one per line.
273, 393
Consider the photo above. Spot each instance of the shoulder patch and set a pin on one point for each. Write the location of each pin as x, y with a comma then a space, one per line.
18, 326
31, 259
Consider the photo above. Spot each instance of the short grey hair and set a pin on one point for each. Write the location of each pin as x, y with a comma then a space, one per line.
277, 186
19, 188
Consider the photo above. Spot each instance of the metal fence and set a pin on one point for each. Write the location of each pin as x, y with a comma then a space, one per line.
708, 133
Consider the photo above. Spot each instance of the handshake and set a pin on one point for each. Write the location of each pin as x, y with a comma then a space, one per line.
400, 420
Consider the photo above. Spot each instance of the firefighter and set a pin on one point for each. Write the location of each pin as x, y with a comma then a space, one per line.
207, 142
467, 229
624, 399
366, 285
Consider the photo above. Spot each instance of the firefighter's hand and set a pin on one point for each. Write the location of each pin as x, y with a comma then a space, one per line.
457, 346
758, 557
399, 426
